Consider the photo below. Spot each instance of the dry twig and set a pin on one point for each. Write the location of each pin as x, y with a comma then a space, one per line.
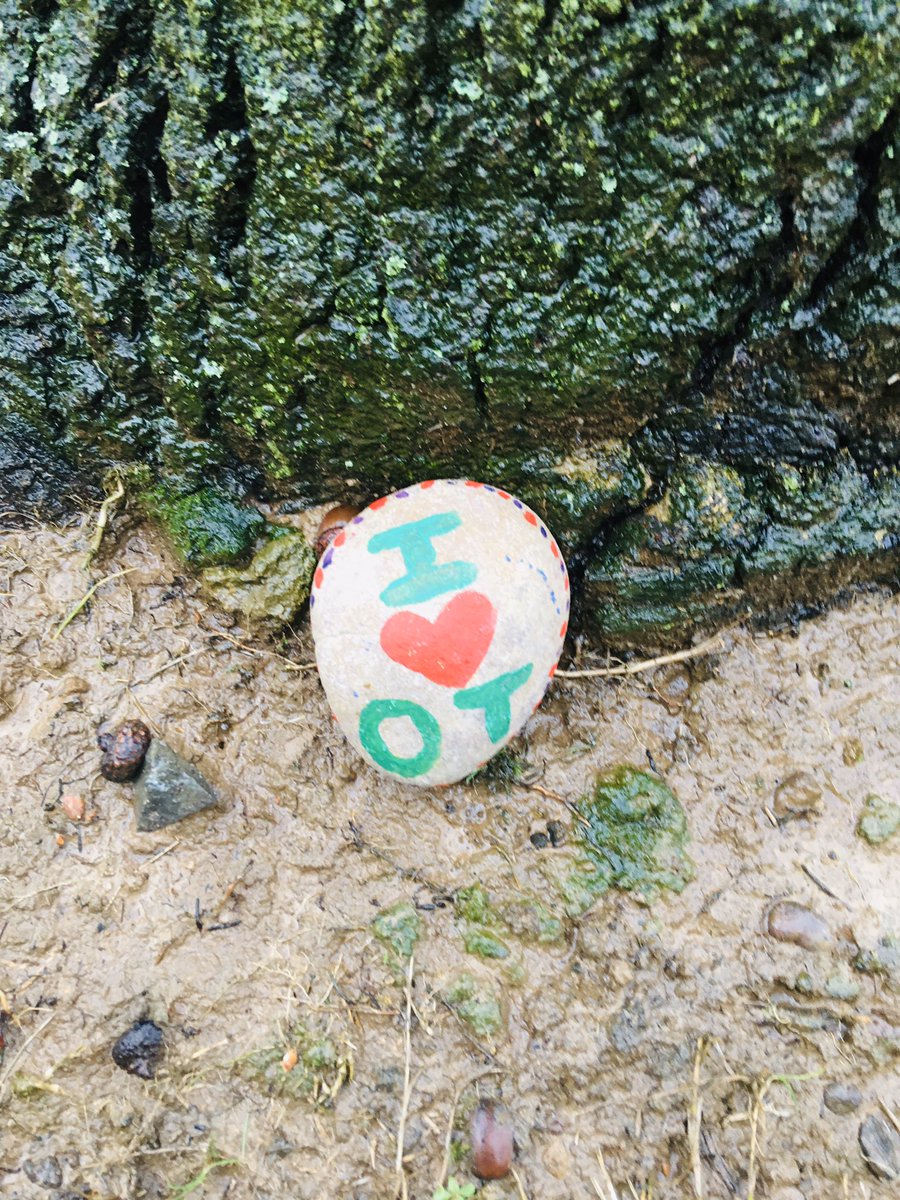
647, 664
102, 521
611, 1193
73, 613
695, 1118
404, 1104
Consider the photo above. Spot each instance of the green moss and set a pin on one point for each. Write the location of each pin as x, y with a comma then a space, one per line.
635, 839
207, 528
526, 919
477, 1005
481, 941
475, 918
473, 904
880, 820
275, 582
504, 769
530, 920
719, 539
399, 928
318, 1073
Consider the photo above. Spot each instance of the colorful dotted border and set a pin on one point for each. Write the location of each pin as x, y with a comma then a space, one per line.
403, 494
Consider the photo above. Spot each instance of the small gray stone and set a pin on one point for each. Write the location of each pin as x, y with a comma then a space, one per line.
880, 1147
879, 820
168, 789
842, 1098
45, 1172
790, 922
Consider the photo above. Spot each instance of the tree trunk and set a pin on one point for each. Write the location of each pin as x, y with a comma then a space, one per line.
637, 262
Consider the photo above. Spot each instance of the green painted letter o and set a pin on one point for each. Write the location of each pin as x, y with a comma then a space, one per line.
370, 720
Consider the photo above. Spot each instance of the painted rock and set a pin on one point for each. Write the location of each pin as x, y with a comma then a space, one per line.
439, 614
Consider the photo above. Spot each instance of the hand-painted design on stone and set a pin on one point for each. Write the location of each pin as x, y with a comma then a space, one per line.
448, 650
439, 614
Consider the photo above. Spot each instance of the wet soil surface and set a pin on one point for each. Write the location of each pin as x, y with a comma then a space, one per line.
675, 1048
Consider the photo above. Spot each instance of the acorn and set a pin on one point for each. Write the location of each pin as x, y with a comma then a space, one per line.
332, 524
492, 1141
123, 750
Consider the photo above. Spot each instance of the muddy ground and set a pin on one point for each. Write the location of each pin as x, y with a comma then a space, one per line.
672, 1049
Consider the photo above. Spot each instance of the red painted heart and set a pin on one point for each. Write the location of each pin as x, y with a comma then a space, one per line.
448, 650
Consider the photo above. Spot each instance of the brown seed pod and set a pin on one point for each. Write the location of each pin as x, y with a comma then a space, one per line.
332, 524
123, 750
492, 1141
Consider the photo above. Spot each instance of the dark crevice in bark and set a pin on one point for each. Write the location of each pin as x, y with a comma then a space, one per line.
130, 36
685, 423
869, 158
147, 182
25, 119
768, 283
44, 10
147, 175
435, 66
45, 195
229, 116
479, 392
545, 25
804, 433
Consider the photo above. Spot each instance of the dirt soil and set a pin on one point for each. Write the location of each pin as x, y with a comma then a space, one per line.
672, 1049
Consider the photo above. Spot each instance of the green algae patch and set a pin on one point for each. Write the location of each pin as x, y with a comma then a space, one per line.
483, 942
476, 1005
320, 1071
473, 904
399, 928
634, 838
207, 528
531, 921
500, 772
880, 820
484, 927
274, 584
476, 920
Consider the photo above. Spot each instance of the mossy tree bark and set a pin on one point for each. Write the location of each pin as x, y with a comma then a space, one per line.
636, 261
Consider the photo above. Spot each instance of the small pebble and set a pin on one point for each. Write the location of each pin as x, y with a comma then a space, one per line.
492, 1141
557, 1160
169, 789
139, 1049
879, 820
672, 685
539, 840
797, 796
123, 750
72, 806
879, 1144
789, 922
842, 1098
45, 1172
557, 832
842, 986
